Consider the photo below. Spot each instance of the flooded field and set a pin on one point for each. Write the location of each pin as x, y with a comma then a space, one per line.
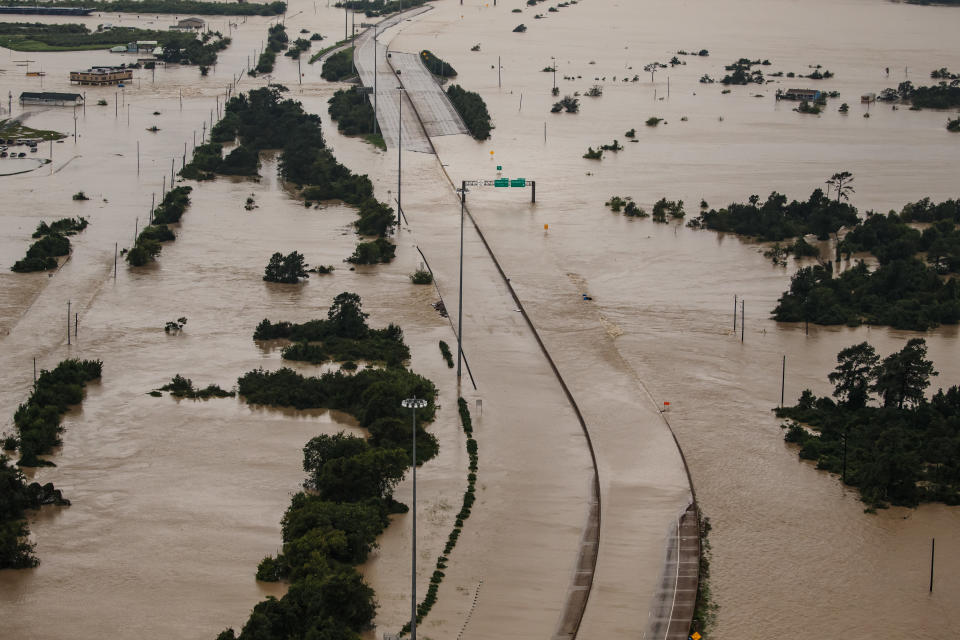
174, 503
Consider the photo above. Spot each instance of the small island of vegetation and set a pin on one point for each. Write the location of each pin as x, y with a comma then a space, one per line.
437, 66
262, 119
53, 242
149, 242
332, 527
472, 109
905, 449
343, 336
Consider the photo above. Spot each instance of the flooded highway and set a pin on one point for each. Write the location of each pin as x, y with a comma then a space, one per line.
174, 503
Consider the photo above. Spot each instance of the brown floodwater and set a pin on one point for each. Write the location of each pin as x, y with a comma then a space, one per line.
174, 503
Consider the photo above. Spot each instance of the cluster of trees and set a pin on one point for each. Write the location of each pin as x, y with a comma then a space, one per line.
629, 207
202, 51
63, 226
149, 242
903, 450
890, 238
286, 269
332, 528
343, 336
173, 205
369, 394
38, 419
742, 72
373, 8
472, 109
352, 112
262, 119
903, 293
183, 7
776, 219
180, 387
299, 46
208, 160
943, 95
567, 103
53, 242
42, 254
663, 207
437, 66
338, 66
377, 251
16, 497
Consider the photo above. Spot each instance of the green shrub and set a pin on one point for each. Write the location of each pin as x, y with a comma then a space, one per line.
445, 352
436, 66
421, 276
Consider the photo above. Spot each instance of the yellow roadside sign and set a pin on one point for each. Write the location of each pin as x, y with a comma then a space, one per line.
695, 635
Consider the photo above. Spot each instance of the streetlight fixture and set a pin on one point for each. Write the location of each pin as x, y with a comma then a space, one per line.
413, 404
399, 156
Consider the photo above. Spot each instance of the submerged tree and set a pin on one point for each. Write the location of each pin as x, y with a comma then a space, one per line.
903, 376
287, 269
841, 182
854, 373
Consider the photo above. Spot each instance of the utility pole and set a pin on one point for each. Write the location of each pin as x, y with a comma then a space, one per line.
68, 323
399, 158
499, 84
463, 203
783, 379
743, 306
734, 314
554, 67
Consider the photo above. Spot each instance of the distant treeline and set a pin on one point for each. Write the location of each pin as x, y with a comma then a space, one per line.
21, 36
472, 109
776, 220
905, 291
904, 451
182, 7
943, 95
372, 8
262, 119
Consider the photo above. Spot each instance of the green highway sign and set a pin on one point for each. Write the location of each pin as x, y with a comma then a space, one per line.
518, 182
501, 182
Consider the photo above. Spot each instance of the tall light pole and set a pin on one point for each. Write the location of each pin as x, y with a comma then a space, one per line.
463, 201
375, 52
399, 157
554, 67
413, 404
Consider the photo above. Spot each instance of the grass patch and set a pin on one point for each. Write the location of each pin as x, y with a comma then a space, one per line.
15, 129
